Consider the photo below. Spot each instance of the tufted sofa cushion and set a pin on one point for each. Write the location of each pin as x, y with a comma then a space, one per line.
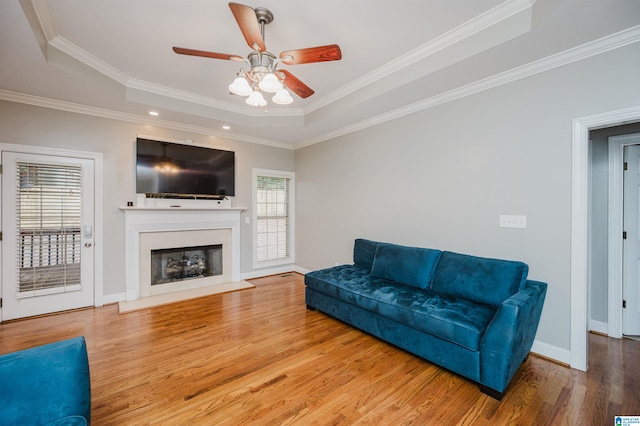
407, 265
484, 280
456, 320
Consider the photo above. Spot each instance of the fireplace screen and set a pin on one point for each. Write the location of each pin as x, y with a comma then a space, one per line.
176, 264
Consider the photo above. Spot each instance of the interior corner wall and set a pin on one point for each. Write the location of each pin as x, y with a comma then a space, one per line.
30, 125
441, 177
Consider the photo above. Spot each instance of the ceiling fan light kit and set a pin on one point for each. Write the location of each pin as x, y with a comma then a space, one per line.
262, 74
282, 97
256, 99
240, 87
270, 83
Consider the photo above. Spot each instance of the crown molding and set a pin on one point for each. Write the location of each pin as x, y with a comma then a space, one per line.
464, 31
65, 46
132, 118
597, 47
579, 53
42, 10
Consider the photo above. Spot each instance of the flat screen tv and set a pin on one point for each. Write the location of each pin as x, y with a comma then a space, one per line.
175, 170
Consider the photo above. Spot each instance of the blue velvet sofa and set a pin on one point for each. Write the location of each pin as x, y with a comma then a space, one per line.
46, 385
474, 316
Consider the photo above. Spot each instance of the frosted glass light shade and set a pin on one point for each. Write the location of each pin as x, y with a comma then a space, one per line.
256, 99
270, 83
282, 97
240, 87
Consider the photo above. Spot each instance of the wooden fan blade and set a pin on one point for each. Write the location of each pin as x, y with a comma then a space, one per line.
214, 55
297, 86
249, 25
327, 53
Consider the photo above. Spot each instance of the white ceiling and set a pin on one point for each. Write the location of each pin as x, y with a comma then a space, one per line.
114, 58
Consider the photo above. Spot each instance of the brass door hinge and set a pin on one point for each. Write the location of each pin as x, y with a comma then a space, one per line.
625, 166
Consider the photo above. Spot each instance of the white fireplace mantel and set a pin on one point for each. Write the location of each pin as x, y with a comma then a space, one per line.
167, 219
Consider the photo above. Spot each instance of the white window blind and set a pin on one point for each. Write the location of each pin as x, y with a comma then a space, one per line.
273, 221
48, 223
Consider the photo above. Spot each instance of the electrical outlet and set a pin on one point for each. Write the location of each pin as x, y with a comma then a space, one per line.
513, 221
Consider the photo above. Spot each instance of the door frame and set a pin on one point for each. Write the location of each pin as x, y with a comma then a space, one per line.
579, 224
615, 229
98, 244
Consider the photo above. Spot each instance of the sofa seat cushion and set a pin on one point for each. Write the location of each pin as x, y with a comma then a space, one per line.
452, 319
483, 280
407, 265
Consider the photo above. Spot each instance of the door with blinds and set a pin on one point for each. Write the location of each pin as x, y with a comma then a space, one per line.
47, 234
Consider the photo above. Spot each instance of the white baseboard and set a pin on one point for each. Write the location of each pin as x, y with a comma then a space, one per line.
108, 299
599, 327
550, 351
268, 271
302, 271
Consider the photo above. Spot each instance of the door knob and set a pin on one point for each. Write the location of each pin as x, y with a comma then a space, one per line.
87, 245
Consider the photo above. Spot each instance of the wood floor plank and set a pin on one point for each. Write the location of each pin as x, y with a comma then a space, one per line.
259, 357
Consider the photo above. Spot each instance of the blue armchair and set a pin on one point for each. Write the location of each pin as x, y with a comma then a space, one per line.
46, 385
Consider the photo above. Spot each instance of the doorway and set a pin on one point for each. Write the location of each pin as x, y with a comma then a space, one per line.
49, 231
580, 172
622, 305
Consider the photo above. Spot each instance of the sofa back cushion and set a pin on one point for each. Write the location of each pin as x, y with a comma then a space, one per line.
488, 281
364, 252
407, 265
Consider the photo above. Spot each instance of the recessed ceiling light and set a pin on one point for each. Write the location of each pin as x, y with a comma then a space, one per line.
226, 127
154, 113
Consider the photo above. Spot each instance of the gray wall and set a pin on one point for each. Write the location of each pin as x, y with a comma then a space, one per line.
30, 125
441, 177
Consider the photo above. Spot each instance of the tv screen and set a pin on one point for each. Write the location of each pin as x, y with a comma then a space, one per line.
168, 169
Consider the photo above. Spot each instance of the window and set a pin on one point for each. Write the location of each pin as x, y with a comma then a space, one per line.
273, 217
48, 220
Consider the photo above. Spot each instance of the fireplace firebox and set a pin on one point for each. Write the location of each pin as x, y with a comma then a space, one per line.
184, 263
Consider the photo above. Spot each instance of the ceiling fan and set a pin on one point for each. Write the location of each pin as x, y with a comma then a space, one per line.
262, 74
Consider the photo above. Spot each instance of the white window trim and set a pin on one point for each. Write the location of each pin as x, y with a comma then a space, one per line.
292, 228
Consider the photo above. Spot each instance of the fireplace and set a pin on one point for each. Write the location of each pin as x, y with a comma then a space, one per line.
202, 243
185, 263
192, 254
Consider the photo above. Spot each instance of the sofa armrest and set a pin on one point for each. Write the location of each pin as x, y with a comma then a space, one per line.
46, 384
509, 336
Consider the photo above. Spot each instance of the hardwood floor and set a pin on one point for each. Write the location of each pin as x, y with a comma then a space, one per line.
257, 356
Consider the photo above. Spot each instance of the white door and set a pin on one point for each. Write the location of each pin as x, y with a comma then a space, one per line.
47, 234
631, 259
